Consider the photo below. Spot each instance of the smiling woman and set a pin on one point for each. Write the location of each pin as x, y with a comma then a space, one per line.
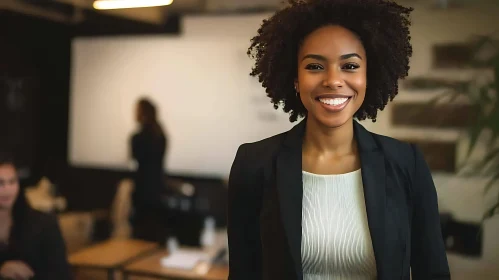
382, 28
329, 199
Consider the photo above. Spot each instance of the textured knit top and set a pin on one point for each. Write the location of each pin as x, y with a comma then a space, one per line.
336, 242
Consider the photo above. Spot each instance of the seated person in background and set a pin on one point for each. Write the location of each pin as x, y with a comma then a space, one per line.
31, 244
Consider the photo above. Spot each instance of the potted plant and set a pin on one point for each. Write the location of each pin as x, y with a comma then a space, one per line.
482, 93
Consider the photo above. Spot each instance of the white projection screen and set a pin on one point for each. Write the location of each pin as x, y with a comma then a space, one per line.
206, 100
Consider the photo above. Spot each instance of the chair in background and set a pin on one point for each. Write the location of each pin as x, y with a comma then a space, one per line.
121, 210
41, 197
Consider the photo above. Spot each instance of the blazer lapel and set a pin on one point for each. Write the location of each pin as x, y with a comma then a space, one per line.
290, 191
374, 181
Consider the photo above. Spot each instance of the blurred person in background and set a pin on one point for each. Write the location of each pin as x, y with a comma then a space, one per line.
148, 147
329, 199
31, 243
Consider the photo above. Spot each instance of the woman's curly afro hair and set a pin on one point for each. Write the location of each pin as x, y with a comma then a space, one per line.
382, 26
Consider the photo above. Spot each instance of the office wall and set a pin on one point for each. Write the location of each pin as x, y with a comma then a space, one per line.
207, 102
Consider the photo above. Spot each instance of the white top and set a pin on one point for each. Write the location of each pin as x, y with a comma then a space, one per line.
336, 242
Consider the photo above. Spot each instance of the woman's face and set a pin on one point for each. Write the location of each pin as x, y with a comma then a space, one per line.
9, 186
332, 76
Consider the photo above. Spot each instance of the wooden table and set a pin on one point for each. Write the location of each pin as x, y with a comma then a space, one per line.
150, 266
111, 255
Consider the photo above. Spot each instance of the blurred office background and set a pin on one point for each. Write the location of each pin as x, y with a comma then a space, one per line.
70, 77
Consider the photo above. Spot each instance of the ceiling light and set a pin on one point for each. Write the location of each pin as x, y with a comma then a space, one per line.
126, 4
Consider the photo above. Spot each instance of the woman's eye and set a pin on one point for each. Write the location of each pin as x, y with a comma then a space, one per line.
350, 66
314, 67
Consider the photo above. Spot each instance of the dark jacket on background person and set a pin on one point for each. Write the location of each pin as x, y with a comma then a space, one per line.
148, 149
37, 241
150, 217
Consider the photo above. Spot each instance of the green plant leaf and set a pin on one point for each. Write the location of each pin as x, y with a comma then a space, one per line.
454, 96
485, 104
478, 42
488, 159
448, 93
493, 123
474, 133
495, 67
491, 182
486, 108
491, 211
491, 164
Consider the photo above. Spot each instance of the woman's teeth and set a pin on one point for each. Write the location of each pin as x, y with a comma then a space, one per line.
333, 101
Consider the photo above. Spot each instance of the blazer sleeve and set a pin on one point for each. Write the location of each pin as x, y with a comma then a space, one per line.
243, 221
56, 264
428, 255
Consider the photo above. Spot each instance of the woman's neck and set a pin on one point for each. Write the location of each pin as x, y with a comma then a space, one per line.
337, 141
5, 216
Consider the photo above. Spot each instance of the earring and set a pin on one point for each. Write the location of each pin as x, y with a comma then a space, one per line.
297, 93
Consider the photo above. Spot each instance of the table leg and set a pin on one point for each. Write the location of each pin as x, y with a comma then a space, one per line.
110, 274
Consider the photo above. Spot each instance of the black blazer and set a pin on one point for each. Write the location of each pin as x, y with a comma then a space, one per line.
265, 209
41, 246
148, 149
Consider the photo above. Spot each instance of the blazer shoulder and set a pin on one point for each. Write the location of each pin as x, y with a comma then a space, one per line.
263, 148
396, 151
253, 158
